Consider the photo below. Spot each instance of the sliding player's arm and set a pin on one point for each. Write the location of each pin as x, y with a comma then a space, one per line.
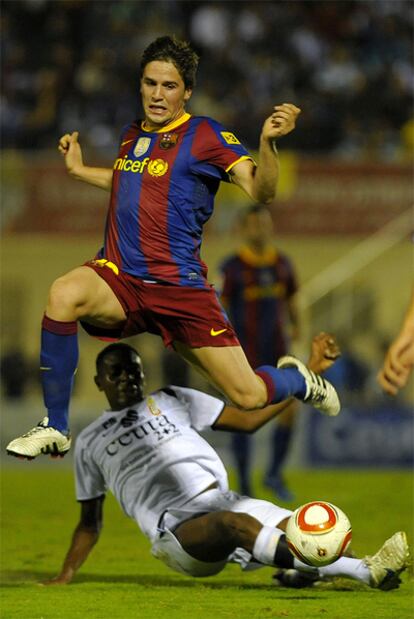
260, 182
84, 539
324, 352
72, 152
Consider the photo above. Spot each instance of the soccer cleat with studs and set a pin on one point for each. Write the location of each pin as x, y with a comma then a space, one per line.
319, 392
387, 564
42, 439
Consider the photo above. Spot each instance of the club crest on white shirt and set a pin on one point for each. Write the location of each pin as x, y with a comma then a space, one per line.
142, 146
152, 407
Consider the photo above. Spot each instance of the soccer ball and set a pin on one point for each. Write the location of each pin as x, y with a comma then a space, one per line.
318, 533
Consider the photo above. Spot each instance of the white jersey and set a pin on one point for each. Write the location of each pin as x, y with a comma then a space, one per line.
150, 455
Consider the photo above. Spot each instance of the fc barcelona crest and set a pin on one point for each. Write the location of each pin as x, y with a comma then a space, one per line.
168, 140
142, 146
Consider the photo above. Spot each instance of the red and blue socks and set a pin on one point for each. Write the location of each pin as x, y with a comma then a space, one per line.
282, 383
58, 362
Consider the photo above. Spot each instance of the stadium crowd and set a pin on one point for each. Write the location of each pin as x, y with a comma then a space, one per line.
73, 64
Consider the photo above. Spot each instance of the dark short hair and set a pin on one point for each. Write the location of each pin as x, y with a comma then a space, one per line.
113, 348
180, 53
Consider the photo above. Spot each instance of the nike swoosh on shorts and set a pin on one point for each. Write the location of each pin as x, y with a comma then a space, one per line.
214, 333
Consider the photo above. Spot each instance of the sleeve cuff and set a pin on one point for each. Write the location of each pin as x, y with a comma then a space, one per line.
243, 158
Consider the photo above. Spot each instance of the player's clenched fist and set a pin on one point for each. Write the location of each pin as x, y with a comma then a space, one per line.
70, 148
281, 122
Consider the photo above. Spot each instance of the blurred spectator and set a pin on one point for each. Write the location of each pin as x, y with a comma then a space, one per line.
72, 64
210, 26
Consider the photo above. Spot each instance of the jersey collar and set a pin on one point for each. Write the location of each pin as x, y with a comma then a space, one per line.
267, 258
170, 127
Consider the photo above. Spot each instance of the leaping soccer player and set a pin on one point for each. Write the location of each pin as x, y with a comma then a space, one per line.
149, 276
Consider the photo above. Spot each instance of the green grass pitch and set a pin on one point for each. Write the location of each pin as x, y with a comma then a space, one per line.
121, 580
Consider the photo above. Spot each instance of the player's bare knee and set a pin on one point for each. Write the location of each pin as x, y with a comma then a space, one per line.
227, 524
235, 525
64, 299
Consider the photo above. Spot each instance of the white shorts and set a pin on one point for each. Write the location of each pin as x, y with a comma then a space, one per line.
168, 549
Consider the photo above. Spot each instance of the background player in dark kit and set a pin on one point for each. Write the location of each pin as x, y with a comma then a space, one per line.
258, 292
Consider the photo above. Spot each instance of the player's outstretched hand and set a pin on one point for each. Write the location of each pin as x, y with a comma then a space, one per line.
281, 122
324, 352
70, 148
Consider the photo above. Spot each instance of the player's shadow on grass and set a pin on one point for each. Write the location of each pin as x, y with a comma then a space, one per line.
18, 578
149, 580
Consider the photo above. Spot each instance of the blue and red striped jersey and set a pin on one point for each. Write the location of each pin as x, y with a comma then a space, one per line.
163, 189
255, 294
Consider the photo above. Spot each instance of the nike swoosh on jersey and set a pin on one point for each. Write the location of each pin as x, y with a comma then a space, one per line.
43, 368
213, 332
127, 142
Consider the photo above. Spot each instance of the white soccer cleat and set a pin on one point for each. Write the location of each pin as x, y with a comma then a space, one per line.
319, 392
388, 563
42, 439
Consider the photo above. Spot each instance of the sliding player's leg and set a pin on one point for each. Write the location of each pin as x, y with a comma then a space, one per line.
215, 536
380, 571
251, 532
80, 294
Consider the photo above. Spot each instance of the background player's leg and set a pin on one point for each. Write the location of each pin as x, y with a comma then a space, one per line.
280, 441
241, 445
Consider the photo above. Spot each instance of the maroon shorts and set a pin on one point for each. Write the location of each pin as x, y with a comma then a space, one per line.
184, 314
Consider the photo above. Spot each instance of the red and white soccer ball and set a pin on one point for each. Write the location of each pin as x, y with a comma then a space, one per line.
318, 533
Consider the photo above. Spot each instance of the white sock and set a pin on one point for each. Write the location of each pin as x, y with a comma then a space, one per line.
264, 548
303, 567
344, 566
349, 567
